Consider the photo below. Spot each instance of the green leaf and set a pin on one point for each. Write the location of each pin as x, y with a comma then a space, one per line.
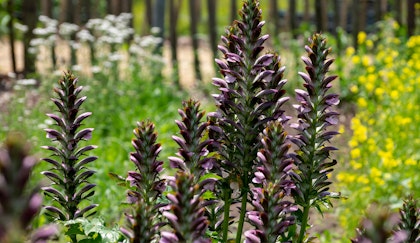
73, 228
208, 195
210, 176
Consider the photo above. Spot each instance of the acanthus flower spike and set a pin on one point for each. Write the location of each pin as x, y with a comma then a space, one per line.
250, 96
315, 116
272, 211
69, 174
144, 220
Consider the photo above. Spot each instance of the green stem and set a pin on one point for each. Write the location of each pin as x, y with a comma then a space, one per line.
226, 216
73, 238
241, 222
304, 223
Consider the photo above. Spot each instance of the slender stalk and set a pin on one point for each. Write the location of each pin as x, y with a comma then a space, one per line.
243, 210
305, 218
73, 238
227, 199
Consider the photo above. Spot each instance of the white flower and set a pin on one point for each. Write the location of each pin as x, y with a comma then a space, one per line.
113, 57
66, 29
85, 36
20, 27
76, 68
155, 30
26, 82
95, 69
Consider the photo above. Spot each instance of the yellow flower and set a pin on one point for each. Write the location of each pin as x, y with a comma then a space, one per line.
410, 161
396, 41
353, 143
341, 129
354, 89
355, 153
361, 37
355, 165
369, 44
395, 25
379, 181
355, 59
394, 95
362, 180
379, 92
362, 102
359, 131
375, 172
390, 162
370, 87
388, 59
389, 144
350, 51
365, 61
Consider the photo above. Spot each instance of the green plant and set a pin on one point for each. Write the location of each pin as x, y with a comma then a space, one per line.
69, 174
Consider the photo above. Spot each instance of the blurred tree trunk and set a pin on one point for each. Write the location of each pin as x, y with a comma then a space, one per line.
411, 17
194, 38
380, 9
233, 10
343, 13
109, 6
292, 17
159, 18
127, 7
86, 6
10, 12
29, 14
159, 22
174, 7
77, 15
46, 8
398, 12
274, 17
355, 21
66, 13
306, 12
362, 15
198, 10
116, 6
148, 16
211, 6
93, 10
321, 15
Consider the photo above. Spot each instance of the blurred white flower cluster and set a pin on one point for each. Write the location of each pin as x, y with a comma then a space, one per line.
103, 37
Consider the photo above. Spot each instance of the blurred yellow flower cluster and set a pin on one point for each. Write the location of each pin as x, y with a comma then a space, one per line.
384, 157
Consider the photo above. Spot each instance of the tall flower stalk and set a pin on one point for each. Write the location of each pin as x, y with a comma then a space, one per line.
272, 211
18, 203
144, 222
315, 116
69, 174
248, 99
186, 215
